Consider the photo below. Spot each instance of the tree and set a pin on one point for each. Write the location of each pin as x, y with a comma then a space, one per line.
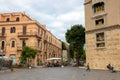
27, 53
63, 46
76, 38
83, 56
71, 51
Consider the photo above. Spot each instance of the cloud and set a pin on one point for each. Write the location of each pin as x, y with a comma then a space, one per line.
72, 16
57, 15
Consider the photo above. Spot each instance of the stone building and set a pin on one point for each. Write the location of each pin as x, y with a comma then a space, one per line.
65, 53
18, 30
102, 22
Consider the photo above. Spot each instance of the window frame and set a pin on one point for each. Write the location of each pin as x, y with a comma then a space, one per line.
98, 7
3, 31
12, 43
17, 19
12, 30
103, 23
7, 19
101, 41
2, 45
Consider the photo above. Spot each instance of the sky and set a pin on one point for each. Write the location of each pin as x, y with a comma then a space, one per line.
57, 15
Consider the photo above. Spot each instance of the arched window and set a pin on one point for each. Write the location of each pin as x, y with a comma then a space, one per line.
3, 30
2, 45
13, 44
17, 19
98, 7
8, 19
12, 30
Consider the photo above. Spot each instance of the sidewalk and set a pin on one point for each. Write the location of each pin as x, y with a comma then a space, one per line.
5, 70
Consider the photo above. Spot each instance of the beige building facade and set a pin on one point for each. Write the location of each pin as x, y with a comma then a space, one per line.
18, 30
102, 22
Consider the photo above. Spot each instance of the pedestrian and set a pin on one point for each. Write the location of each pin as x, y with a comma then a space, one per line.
111, 68
88, 67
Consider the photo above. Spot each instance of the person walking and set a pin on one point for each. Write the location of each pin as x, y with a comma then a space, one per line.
88, 67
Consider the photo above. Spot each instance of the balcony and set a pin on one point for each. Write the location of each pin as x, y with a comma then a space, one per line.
2, 35
19, 48
36, 48
29, 34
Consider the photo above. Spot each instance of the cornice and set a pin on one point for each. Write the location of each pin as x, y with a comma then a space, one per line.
87, 2
103, 28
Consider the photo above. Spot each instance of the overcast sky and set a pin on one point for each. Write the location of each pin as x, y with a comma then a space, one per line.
57, 15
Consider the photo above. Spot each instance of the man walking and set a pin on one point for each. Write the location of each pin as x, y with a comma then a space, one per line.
88, 67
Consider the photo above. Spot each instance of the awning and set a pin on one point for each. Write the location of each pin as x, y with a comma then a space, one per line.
54, 59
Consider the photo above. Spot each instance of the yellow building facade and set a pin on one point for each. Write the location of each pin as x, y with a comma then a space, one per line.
102, 23
18, 30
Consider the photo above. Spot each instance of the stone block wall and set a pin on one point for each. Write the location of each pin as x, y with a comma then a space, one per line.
98, 58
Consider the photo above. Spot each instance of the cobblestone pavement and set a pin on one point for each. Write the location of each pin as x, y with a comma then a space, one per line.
66, 73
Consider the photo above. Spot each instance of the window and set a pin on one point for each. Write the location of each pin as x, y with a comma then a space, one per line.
8, 19
100, 44
13, 44
3, 31
12, 30
98, 7
24, 30
100, 40
2, 45
23, 43
38, 31
99, 22
100, 37
17, 19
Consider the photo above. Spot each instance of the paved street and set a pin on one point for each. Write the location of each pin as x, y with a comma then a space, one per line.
66, 73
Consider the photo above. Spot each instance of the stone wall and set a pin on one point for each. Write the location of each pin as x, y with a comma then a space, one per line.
98, 58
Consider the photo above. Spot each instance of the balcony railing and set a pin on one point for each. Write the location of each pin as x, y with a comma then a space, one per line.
2, 35
19, 48
29, 34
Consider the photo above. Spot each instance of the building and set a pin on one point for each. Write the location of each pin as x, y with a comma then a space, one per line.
18, 30
65, 53
102, 21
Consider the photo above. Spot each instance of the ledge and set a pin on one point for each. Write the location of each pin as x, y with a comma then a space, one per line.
102, 28
87, 2
97, 15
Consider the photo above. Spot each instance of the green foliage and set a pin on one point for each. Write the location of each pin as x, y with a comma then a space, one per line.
83, 56
27, 53
76, 38
63, 46
76, 34
71, 53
